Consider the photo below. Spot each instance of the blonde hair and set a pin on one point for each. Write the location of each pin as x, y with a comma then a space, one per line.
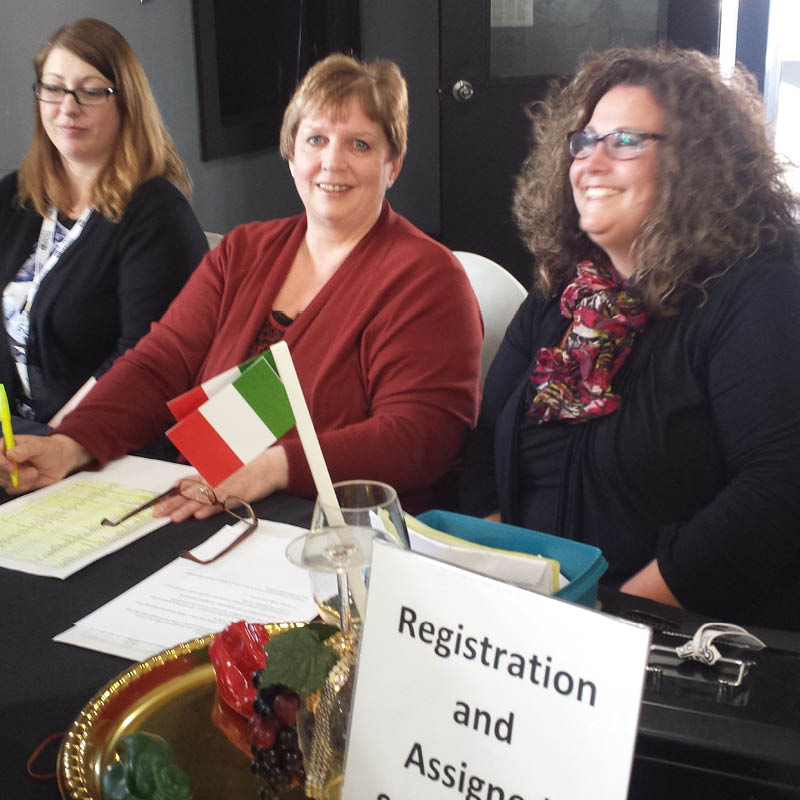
330, 84
721, 198
144, 149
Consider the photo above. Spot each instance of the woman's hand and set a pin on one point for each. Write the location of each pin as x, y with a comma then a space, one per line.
41, 460
265, 474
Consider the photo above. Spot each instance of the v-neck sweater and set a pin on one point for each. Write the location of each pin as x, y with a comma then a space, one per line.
387, 353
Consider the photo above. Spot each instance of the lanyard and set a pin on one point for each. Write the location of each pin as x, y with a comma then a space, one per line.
42, 263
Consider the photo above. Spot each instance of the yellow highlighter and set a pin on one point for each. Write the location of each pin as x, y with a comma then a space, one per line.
8, 433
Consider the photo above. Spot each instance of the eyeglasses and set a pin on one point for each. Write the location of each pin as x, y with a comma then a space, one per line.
200, 492
48, 93
621, 145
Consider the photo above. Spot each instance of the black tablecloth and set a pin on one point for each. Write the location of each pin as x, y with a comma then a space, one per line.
45, 684
686, 747
696, 741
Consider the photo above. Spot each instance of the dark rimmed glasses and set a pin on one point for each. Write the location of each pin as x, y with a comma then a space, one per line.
50, 93
621, 145
200, 492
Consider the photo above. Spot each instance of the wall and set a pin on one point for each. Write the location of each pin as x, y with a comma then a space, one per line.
237, 189
407, 31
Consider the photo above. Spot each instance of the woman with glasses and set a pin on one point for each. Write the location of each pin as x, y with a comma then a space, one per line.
381, 322
96, 234
645, 398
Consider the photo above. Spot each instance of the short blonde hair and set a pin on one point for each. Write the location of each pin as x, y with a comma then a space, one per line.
330, 84
144, 148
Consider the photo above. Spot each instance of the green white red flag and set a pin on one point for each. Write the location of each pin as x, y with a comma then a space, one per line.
239, 419
181, 405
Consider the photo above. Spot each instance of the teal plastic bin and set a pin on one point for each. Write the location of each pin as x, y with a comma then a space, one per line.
581, 563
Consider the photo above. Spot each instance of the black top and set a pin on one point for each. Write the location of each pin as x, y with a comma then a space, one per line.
698, 467
542, 450
107, 288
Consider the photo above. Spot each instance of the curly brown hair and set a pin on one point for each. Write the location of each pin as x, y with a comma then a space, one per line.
721, 198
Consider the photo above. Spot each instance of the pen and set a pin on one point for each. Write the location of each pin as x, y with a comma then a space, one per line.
8, 433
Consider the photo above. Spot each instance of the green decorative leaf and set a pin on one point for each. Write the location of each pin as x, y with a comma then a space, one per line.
299, 659
146, 770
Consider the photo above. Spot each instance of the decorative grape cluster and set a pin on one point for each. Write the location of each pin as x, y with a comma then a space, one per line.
272, 731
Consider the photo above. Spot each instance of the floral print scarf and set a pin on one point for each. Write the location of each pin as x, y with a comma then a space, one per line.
572, 381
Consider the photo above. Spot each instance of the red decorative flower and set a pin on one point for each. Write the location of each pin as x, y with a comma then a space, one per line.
236, 654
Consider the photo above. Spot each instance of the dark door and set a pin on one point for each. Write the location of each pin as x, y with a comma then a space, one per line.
498, 56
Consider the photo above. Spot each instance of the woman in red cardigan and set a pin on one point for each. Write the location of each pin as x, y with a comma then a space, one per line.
380, 319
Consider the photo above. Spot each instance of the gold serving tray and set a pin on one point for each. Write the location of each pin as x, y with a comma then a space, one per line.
172, 695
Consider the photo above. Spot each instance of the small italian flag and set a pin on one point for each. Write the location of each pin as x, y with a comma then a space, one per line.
181, 405
239, 420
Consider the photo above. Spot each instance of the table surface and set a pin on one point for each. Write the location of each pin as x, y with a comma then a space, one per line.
45, 684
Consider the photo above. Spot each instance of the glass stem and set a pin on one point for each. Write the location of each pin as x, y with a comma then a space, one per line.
344, 600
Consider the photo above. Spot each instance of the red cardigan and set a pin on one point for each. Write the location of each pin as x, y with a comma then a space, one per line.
388, 354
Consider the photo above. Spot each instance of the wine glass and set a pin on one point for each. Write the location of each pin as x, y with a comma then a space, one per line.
363, 503
340, 552
366, 505
335, 558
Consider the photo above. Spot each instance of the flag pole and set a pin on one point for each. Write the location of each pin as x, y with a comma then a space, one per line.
316, 461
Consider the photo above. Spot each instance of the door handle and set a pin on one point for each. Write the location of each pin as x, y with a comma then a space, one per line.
463, 91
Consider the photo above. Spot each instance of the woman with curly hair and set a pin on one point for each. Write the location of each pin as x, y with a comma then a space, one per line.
644, 399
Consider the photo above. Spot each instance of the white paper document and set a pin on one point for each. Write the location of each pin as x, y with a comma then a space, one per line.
184, 600
533, 572
56, 531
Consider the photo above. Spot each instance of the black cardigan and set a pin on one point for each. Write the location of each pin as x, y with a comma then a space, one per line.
700, 467
107, 288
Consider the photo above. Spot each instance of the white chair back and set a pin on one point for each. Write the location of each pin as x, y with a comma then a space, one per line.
213, 239
499, 295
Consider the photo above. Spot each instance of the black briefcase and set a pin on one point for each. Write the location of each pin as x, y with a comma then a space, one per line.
729, 730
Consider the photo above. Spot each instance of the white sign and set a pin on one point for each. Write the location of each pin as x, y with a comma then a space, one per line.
472, 689
511, 14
